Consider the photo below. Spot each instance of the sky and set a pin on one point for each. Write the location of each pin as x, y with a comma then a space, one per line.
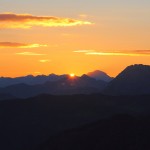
63, 36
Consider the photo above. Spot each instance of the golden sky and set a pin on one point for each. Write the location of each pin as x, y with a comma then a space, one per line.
43, 37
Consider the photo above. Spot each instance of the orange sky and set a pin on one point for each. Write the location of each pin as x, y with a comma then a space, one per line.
90, 37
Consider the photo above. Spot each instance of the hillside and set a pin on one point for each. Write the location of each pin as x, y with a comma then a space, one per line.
134, 80
27, 124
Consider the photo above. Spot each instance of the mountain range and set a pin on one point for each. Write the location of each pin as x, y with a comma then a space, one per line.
29, 79
133, 80
40, 79
63, 86
87, 120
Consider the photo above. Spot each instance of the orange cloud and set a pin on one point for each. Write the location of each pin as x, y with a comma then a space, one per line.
19, 45
29, 54
44, 60
112, 54
83, 51
116, 53
11, 20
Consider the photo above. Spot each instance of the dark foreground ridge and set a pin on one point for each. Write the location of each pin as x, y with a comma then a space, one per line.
120, 132
34, 123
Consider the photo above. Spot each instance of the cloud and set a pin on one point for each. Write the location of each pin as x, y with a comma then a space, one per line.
111, 54
116, 53
83, 51
29, 54
25, 21
19, 45
44, 60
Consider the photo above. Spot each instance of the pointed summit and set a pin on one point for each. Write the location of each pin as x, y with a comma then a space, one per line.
99, 75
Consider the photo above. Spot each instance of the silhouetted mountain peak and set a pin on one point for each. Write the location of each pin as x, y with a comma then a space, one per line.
137, 68
98, 72
135, 72
133, 80
100, 75
29, 76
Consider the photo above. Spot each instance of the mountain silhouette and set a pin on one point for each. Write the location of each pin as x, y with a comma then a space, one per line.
63, 86
77, 116
41, 79
29, 79
134, 80
100, 75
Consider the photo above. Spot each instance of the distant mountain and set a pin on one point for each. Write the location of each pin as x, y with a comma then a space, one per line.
65, 85
41, 79
134, 80
29, 79
100, 75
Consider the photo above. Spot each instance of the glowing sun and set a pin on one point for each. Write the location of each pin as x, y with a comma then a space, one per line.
72, 75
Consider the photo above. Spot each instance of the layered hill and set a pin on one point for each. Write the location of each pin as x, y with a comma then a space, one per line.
28, 124
120, 132
41, 79
63, 86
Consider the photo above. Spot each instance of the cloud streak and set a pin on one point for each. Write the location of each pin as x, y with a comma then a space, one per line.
19, 45
29, 54
84, 51
116, 53
25, 21
44, 60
